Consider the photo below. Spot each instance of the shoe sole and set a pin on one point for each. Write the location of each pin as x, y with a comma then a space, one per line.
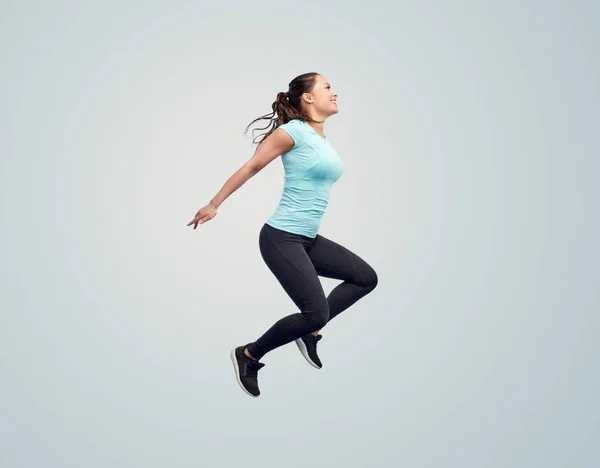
304, 351
237, 373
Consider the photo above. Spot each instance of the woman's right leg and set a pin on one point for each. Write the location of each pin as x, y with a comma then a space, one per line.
285, 255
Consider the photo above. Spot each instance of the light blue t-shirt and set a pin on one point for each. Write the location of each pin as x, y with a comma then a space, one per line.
311, 168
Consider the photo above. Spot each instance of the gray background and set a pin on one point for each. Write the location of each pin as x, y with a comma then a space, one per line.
469, 134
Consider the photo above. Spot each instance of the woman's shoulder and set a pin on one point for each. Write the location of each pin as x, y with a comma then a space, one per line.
296, 128
294, 123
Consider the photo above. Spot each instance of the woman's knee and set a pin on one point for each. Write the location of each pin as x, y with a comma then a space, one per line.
369, 279
318, 316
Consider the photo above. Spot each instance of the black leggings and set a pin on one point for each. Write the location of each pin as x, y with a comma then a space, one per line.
297, 261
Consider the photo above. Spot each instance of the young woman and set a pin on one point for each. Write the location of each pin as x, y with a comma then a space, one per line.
289, 243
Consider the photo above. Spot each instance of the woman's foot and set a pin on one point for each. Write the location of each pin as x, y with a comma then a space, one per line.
246, 371
308, 347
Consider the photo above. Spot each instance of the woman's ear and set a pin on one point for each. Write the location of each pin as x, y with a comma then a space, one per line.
307, 97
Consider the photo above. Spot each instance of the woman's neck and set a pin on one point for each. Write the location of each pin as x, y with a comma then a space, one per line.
319, 127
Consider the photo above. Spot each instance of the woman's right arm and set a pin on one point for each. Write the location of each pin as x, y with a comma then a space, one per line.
274, 145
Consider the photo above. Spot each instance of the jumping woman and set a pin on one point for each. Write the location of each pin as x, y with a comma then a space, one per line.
289, 243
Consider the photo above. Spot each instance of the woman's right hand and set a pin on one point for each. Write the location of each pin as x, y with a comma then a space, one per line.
204, 214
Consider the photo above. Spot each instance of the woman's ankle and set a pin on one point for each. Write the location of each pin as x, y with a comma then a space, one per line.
248, 355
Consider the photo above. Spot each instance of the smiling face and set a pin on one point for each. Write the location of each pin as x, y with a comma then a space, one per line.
321, 99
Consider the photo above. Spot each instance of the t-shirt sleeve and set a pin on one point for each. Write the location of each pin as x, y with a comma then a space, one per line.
295, 129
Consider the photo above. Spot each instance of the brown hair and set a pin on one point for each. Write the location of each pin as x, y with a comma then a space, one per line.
286, 106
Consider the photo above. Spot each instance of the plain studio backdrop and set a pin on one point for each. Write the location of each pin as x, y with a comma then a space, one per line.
469, 132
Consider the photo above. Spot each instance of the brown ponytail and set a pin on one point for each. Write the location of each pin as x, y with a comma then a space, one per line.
287, 106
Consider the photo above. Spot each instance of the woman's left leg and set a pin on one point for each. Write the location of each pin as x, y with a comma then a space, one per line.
332, 260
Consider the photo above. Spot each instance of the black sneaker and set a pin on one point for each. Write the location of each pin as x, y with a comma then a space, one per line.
246, 371
308, 347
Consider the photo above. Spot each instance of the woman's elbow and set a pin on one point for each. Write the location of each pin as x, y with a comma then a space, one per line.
253, 167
